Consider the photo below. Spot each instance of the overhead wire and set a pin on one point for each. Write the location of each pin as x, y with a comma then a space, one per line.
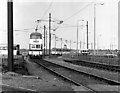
47, 9
73, 15
78, 12
23, 29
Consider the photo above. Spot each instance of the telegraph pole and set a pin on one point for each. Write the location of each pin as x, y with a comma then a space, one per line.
49, 34
44, 39
10, 34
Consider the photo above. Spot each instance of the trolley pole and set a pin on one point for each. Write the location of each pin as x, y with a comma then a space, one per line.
10, 34
44, 39
49, 35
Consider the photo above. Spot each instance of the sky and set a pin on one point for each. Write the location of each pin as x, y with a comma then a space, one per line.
71, 12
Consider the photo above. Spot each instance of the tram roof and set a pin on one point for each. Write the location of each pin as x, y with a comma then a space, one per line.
35, 33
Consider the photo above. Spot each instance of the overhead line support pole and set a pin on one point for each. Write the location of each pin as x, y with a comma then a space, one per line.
10, 35
49, 34
87, 36
44, 39
46, 42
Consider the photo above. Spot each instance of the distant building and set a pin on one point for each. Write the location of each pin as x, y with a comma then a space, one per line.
65, 46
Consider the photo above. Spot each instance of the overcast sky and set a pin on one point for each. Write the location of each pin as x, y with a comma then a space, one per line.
26, 12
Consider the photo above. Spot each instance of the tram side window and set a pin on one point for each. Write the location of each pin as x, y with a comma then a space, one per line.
33, 46
37, 46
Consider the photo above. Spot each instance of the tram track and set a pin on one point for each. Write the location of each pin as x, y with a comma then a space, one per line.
97, 65
74, 76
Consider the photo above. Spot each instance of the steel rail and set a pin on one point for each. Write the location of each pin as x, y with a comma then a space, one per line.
97, 65
66, 78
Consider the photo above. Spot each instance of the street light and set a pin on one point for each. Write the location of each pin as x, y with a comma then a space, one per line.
87, 32
77, 32
95, 25
98, 41
55, 42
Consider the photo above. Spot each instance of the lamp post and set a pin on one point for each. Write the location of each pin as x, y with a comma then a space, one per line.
55, 42
95, 25
61, 43
80, 44
87, 33
98, 41
78, 32
70, 44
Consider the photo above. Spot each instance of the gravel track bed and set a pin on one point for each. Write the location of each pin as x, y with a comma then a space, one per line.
81, 78
91, 64
101, 73
45, 75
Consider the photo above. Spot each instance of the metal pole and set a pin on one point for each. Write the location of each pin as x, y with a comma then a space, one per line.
61, 45
46, 42
92, 45
10, 35
94, 27
77, 37
87, 35
55, 44
49, 34
44, 39
80, 44
70, 44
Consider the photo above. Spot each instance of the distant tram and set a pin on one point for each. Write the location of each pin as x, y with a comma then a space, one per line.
35, 45
4, 49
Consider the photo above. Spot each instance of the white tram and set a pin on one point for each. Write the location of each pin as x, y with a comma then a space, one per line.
35, 45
